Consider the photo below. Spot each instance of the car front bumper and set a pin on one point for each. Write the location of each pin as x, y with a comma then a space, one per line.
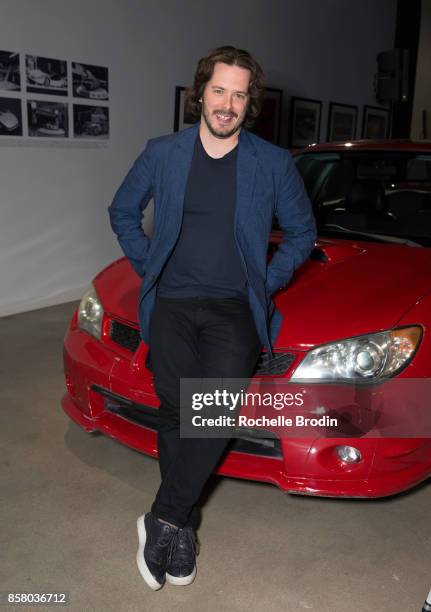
109, 390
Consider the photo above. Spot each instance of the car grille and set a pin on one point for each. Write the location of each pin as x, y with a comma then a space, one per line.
279, 364
129, 338
124, 335
245, 439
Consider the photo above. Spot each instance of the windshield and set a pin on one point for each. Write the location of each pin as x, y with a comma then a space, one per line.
371, 192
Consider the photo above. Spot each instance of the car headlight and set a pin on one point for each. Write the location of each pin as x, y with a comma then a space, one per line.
90, 313
364, 358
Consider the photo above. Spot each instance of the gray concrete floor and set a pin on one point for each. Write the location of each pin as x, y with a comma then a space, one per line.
71, 499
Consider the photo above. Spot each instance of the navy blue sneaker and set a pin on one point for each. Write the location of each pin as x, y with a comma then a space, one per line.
181, 568
155, 549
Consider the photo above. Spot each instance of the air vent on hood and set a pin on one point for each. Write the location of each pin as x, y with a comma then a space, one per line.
318, 255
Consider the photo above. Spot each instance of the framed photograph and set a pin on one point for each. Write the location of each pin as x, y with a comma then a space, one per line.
10, 76
305, 116
268, 123
375, 122
182, 116
90, 122
90, 81
342, 120
47, 119
10, 117
46, 75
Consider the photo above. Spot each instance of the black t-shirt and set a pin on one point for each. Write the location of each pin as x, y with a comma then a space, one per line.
205, 260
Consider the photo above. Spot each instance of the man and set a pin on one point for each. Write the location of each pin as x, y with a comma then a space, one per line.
205, 305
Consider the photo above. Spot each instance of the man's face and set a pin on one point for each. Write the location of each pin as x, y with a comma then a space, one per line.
225, 99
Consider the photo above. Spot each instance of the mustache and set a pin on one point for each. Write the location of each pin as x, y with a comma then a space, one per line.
223, 112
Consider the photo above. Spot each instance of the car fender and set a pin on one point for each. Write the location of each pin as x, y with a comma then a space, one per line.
420, 314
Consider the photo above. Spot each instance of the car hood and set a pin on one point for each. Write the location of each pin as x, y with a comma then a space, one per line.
345, 289
350, 288
118, 287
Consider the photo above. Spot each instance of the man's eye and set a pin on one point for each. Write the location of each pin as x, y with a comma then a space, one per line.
241, 96
217, 91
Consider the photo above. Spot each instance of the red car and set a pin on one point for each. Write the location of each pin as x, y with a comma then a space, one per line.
358, 310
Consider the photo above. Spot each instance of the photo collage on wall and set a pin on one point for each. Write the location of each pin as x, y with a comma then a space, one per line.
43, 97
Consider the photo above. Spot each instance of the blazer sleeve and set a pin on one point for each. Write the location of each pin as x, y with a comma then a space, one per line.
295, 217
125, 212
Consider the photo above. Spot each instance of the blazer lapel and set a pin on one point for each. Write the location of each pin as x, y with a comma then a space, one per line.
180, 163
246, 175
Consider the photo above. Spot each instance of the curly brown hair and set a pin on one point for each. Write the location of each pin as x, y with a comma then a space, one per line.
233, 57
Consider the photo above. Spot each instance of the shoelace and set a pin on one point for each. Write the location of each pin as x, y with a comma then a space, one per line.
184, 536
166, 539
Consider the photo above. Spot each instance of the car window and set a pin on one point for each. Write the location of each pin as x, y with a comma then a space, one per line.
419, 169
370, 191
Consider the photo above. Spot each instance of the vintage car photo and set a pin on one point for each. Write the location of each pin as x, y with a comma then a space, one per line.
90, 121
90, 81
10, 78
47, 119
10, 117
46, 75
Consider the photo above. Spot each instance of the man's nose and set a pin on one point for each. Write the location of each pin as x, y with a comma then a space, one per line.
228, 102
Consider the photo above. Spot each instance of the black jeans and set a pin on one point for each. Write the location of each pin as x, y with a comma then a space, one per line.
193, 338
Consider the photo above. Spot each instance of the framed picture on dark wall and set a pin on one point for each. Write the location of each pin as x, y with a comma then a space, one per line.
182, 116
305, 115
375, 122
342, 120
268, 123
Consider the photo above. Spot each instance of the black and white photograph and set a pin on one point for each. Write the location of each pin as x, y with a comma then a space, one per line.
10, 77
341, 122
305, 115
90, 121
10, 117
267, 125
182, 116
46, 75
90, 81
47, 119
375, 122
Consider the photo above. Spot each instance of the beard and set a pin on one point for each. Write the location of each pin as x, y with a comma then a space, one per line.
221, 133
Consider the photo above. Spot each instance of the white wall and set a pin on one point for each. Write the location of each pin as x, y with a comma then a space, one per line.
422, 96
54, 228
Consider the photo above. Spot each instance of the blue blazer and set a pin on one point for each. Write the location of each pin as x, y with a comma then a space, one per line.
267, 183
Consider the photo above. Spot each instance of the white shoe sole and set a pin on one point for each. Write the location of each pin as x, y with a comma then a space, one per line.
183, 580
140, 559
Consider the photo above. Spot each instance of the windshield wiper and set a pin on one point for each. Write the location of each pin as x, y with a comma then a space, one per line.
382, 237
